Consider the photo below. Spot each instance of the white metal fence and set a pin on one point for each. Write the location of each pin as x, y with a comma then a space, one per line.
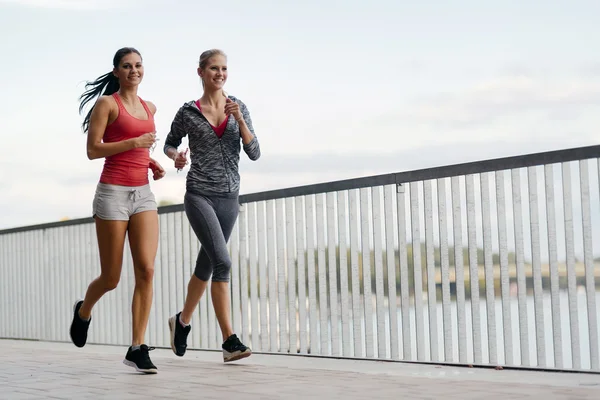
482, 263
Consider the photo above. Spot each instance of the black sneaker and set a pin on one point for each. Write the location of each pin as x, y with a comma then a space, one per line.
79, 327
234, 349
140, 359
179, 335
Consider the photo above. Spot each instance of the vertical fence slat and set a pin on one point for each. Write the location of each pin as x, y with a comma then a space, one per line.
445, 270
430, 267
474, 269
356, 314
253, 278
379, 291
312, 290
403, 261
333, 267
262, 276
365, 233
588, 259
5, 273
388, 198
165, 311
301, 257
553, 261
344, 287
520, 265
322, 271
537, 266
236, 312
177, 267
94, 336
191, 267
292, 277
158, 302
570, 261
489, 268
244, 293
281, 278
171, 259
123, 316
3, 286
63, 287
415, 224
504, 276
25, 280
16, 292
22, 279
30, 270
459, 268
272, 269
38, 275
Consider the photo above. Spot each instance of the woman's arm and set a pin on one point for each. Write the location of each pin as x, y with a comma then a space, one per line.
157, 169
98, 122
242, 117
173, 140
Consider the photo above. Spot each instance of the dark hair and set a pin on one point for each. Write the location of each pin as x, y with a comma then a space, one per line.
106, 84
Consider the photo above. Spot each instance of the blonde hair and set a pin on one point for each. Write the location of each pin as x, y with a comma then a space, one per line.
206, 55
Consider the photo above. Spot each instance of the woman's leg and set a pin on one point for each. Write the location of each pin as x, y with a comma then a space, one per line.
227, 210
222, 305
111, 239
212, 222
196, 288
143, 241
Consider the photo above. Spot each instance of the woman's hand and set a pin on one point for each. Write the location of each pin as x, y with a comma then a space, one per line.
233, 108
181, 160
146, 140
157, 170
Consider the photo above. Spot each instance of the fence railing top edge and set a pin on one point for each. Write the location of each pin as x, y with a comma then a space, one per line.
48, 225
497, 164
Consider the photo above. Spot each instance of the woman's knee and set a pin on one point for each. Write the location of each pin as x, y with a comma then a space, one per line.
221, 271
144, 274
203, 271
110, 281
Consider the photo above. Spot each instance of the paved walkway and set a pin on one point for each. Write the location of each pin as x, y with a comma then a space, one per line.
41, 370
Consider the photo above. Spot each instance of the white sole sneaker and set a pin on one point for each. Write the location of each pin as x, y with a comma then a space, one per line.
172, 322
145, 371
236, 355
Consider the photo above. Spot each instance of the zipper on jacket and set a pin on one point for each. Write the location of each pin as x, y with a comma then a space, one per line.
219, 139
225, 166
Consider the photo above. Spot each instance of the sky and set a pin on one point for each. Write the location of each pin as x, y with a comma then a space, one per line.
336, 89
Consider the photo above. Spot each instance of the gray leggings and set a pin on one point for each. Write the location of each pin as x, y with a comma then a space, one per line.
212, 218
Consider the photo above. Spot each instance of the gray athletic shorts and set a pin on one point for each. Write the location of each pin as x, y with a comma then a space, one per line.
118, 203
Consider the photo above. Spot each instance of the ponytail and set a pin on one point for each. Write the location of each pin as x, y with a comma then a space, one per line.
107, 84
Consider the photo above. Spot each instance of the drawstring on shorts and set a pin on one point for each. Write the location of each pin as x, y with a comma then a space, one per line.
134, 195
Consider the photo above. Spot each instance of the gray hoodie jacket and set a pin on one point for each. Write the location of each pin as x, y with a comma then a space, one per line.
214, 160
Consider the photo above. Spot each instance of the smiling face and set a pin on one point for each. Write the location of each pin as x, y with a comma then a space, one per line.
214, 73
130, 70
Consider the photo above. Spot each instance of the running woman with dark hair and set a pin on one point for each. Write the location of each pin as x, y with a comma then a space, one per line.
120, 128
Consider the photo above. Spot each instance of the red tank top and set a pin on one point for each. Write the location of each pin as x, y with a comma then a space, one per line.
129, 168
